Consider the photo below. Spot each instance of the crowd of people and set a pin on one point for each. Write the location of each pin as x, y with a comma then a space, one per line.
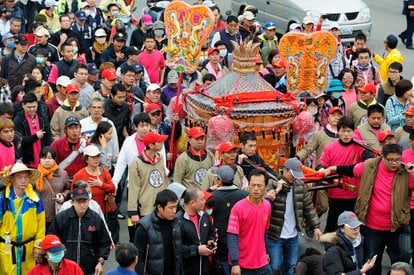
86, 118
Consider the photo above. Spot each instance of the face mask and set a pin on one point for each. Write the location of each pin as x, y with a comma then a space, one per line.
11, 45
101, 40
223, 53
75, 49
115, 14
313, 111
336, 94
159, 33
40, 60
209, 211
56, 257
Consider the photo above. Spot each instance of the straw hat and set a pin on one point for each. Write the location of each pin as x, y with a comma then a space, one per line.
20, 167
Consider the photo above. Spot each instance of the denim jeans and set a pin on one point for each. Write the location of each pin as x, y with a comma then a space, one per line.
226, 268
258, 271
283, 252
398, 245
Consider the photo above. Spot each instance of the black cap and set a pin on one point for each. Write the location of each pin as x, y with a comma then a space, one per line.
119, 36
21, 39
71, 121
132, 50
392, 41
80, 193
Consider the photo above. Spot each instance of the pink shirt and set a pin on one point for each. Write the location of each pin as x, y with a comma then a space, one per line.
7, 156
350, 96
336, 154
250, 222
153, 63
379, 210
408, 157
34, 126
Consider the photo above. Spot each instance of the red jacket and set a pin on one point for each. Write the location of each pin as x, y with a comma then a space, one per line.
67, 267
61, 147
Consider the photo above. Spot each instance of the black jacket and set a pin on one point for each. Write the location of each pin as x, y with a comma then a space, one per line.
119, 115
86, 245
108, 55
247, 168
14, 71
22, 127
193, 262
149, 238
337, 259
224, 198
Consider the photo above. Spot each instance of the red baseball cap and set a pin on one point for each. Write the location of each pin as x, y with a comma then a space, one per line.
72, 87
369, 88
152, 137
335, 109
383, 135
52, 244
109, 74
211, 50
196, 132
280, 64
410, 111
151, 107
227, 147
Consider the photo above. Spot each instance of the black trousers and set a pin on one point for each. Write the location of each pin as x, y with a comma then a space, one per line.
336, 207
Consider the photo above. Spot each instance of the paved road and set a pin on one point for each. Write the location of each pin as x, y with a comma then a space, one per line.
386, 18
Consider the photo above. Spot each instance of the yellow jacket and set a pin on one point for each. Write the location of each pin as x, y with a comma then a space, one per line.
23, 219
52, 22
393, 55
124, 10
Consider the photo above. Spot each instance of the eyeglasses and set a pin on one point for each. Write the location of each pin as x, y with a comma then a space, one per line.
393, 160
393, 72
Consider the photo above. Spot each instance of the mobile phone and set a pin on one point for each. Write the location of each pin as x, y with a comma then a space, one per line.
374, 258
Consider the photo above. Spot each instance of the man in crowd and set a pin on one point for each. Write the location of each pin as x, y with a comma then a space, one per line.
108, 80
60, 96
117, 110
65, 66
86, 90
18, 63
369, 131
89, 124
291, 207
192, 165
126, 255
402, 133
197, 233
387, 87
23, 229
42, 38
83, 233
224, 198
249, 220
230, 33
69, 148
33, 129
392, 54
70, 107
384, 194
147, 177
152, 60
158, 236
116, 52
358, 110
59, 37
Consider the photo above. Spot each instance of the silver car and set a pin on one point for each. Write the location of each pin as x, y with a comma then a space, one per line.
353, 16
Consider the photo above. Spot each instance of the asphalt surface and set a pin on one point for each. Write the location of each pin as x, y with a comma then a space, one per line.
387, 19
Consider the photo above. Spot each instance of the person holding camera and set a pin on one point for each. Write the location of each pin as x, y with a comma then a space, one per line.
197, 233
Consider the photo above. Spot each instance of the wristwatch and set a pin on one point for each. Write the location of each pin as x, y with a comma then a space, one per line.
101, 261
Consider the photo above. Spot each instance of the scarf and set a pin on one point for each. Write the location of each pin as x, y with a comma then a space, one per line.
98, 48
349, 246
362, 68
44, 172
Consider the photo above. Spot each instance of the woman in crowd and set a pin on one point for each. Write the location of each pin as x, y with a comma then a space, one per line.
7, 156
271, 62
53, 184
45, 87
344, 248
347, 77
75, 43
100, 182
102, 138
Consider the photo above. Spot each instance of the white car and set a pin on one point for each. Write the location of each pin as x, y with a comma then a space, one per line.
353, 16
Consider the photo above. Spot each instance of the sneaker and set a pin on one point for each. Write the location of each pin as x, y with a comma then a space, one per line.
121, 216
309, 232
403, 38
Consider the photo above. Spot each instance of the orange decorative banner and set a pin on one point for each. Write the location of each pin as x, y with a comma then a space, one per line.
307, 56
187, 28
